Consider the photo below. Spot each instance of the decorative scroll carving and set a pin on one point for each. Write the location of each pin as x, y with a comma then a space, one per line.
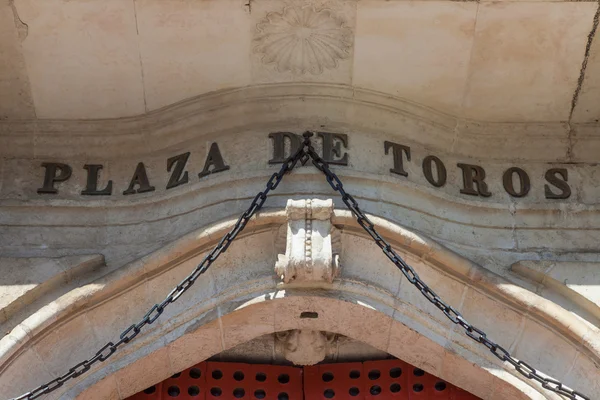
312, 244
303, 40
304, 346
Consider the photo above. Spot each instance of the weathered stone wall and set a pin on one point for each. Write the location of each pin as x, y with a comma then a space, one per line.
500, 61
499, 85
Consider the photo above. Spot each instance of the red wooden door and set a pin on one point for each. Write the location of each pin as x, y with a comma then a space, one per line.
371, 380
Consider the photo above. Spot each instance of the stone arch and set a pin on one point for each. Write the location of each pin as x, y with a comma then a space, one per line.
240, 299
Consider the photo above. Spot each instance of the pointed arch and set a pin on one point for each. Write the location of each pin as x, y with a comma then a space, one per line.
240, 298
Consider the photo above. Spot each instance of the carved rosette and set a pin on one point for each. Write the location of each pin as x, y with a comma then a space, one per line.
311, 243
303, 39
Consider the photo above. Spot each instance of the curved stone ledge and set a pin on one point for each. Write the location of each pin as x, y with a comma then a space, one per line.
147, 280
572, 280
116, 228
24, 280
272, 106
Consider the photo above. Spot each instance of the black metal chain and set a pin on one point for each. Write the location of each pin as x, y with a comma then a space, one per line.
152, 315
411, 275
302, 154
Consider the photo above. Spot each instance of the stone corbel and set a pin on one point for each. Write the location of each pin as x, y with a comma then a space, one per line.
311, 243
305, 346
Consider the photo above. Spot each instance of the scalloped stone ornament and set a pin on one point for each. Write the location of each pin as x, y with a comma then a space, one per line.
303, 40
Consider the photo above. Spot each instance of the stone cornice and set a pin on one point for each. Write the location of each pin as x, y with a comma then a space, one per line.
260, 107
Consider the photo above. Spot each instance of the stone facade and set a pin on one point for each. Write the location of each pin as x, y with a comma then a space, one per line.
134, 133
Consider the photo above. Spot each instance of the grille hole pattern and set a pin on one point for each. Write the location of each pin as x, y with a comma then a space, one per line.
253, 382
385, 380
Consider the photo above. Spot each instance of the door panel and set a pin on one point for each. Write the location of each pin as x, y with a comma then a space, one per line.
370, 380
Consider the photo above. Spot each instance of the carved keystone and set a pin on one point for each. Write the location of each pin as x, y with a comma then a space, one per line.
309, 251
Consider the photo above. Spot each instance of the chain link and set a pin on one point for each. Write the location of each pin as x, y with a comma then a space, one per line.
411, 275
156, 311
304, 153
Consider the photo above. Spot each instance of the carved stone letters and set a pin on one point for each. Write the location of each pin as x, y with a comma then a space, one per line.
517, 182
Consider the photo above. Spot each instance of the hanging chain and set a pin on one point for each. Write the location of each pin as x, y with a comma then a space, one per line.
302, 154
152, 315
453, 315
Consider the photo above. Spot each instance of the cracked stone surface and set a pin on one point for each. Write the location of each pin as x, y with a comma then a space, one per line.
498, 61
500, 84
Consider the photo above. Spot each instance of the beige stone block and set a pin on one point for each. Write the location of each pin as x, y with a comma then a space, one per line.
82, 58
587, 108
458, 370
16, 139
25, 280
357, 253
15, 94
584, 376
58, 353
416, 50
200, 342
108, 323
512, 387
251, 260
349, 350
261, 350
526, 60
574, 280
24, 374
302, 41
192, 47
585, 148
22, 275
415, 348
334, 315
199, 298
445, 287
500, 322
243, 325
290, 309
106, 389
540, 347
144, 373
